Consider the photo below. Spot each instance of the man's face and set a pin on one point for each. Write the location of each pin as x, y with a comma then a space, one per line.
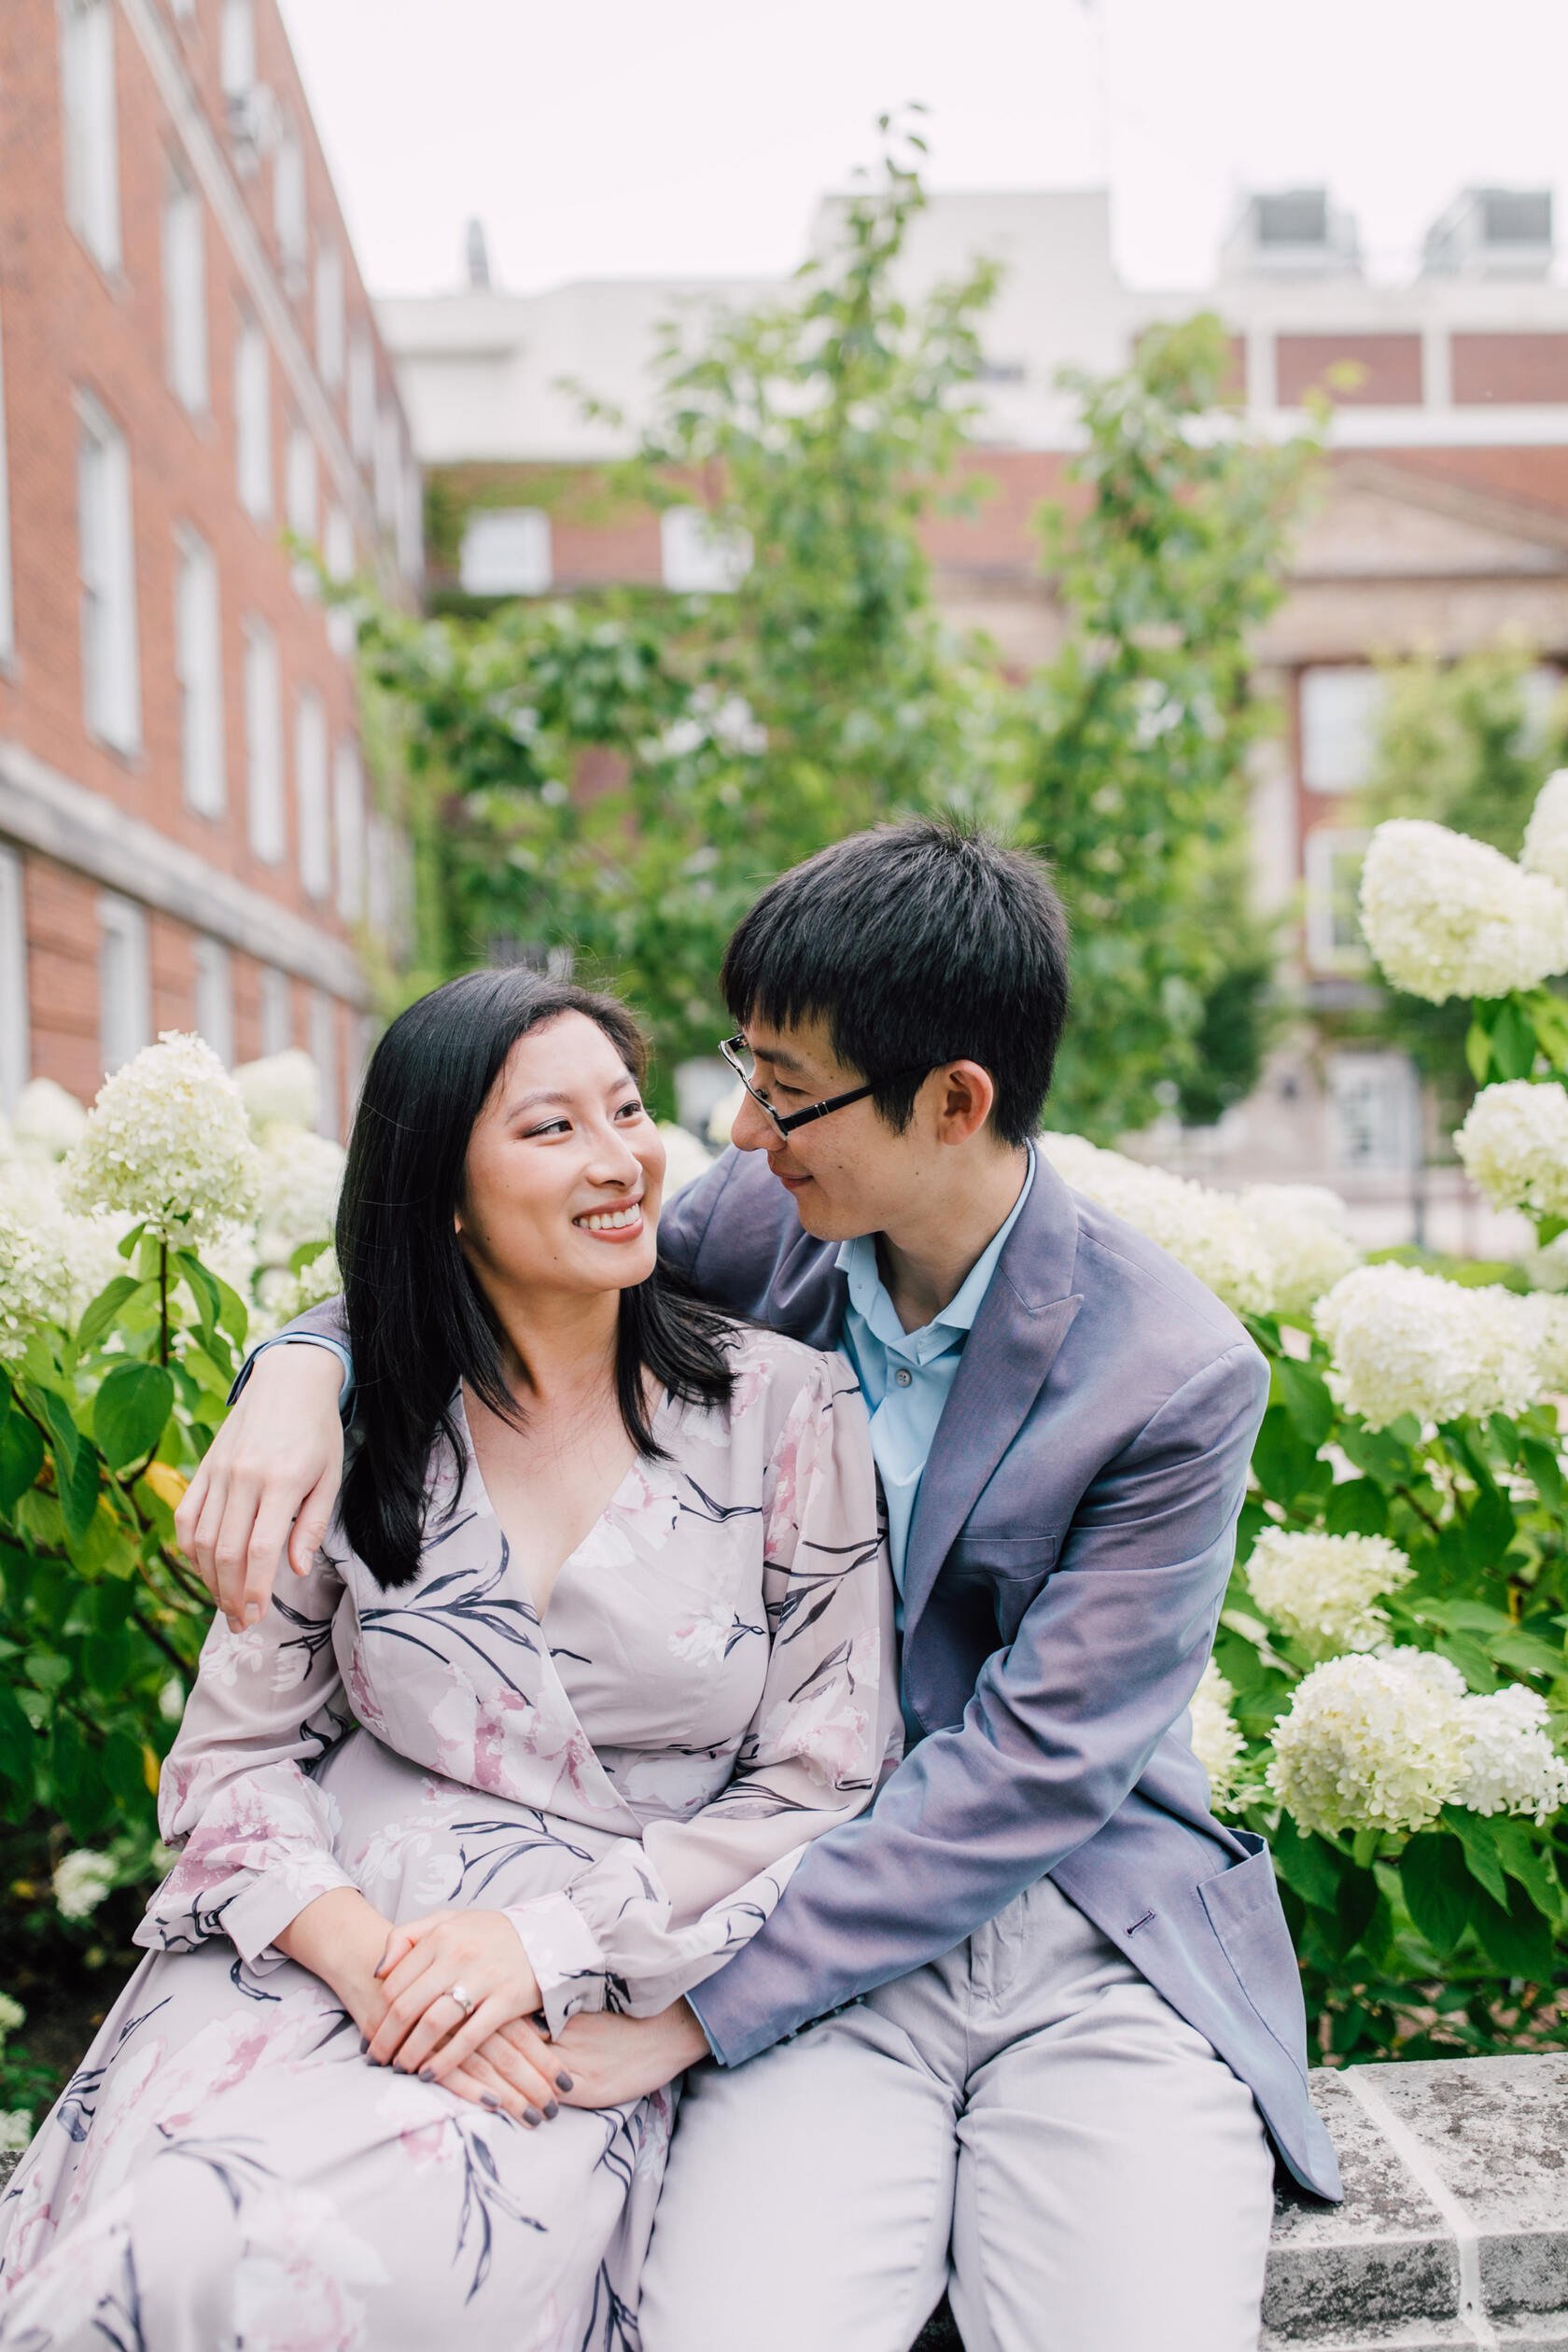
847, 1173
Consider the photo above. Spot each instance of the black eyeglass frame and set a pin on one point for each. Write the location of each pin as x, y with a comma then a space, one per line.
785, 1123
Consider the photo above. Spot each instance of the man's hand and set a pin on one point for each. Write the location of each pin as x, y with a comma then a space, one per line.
612, 2059
275, 1466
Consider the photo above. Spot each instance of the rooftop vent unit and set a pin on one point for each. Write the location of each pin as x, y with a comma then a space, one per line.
1491, 232
1292, 232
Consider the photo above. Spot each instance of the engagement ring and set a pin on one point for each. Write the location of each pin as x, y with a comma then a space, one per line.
463, 1997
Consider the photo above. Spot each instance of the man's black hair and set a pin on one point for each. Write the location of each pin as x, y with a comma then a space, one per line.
917, 943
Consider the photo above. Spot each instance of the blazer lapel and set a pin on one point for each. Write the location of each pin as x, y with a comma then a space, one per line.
1023, 1320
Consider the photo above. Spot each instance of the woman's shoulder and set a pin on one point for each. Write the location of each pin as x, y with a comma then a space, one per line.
773, 1375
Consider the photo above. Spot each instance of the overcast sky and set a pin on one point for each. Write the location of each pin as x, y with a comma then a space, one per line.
619, 139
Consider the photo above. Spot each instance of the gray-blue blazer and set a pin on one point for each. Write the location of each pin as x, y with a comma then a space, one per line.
1067, 1561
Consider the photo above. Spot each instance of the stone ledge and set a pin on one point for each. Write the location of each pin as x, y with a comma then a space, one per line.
1454, 2230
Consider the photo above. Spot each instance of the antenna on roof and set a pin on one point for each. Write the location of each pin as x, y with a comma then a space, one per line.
476, 254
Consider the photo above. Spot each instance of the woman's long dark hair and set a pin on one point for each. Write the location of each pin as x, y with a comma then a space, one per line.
417, 1320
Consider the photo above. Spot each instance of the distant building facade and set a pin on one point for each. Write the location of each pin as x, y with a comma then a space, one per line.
1445, 525
189, 369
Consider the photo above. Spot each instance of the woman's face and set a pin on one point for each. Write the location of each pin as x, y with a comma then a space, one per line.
564, 1168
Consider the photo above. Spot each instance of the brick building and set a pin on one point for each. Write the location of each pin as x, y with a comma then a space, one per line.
1444, 528
190, 367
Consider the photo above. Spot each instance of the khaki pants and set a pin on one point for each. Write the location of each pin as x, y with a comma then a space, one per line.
1025, 2121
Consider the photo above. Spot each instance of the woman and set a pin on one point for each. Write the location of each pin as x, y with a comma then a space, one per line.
599, 1643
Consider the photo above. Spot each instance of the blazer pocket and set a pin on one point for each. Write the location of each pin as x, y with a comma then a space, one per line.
1243, 1907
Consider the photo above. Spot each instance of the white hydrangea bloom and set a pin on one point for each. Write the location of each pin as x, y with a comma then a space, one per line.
1428, 1666
1216, 1740
80, 1882
16, 2130
12, 2014
168, 1143
721, 1125
283, 1295
1513, 1145
281, 1089
301, 1177
1323, 1591
91, 1257
85, 1250
685, 1158
1510, 1764
1448, 917
1209, 1231
1408, 1342
1302, 1227
47, 1120
33, 1278
1365, 1745
1546, 836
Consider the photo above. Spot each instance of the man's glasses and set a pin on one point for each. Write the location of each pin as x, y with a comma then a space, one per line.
744, 1063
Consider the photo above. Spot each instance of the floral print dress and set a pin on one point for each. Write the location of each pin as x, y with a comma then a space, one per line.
632, 1780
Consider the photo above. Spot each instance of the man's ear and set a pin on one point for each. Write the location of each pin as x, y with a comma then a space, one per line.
965, 1094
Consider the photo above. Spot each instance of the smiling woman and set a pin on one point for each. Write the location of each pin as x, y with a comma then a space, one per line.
598, 1643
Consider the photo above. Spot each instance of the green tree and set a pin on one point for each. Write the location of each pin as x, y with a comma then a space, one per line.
1168, 553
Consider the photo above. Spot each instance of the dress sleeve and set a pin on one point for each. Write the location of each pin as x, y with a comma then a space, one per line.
254, 1832
656, 1916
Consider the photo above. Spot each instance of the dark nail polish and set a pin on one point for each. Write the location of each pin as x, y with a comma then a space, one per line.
562, 2082
364, 2044
552, 2109
532, 2115
488, 2098
427, 2074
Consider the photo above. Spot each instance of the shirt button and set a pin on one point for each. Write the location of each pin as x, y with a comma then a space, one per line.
904, 1376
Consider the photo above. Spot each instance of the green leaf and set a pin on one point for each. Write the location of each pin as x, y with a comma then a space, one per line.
75, 1468
1305, 1395
1308, 1863
233, 1316
21, 1458
1545, 1473
1513, 1042
1530, 1654
134, 1403
1515, 1937
101, 1314
1480, 1849
1478, 1047
1438, 1888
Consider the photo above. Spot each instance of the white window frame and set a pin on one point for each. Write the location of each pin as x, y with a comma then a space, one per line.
388, 465
699, 557
329, 314
106, 552
14, 1016
348, 826
214, 996
1338, 743
300, 492
90, 128
290, 207
1385, 1088
313, 812
253, 420
7, 607
362, 395
506, 551
1326, 848
337, 551
199, 674
411, 519
124, 981
266, 824
185, 293
276, 1010
324, 1053
237, 51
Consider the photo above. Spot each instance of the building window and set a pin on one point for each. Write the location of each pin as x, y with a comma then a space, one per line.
14, 1022
253, 421
361, 395
380, 905
1333, 934
8, 609
277, 1011
263, 744
699, 557
124, 994
1376, 1113
338, 553
299, 498
290, 217
184, 294
199, 669
411, 521
329, 316
237, 51
506, 551
90, 140
388, 462
310, 794
111, 691
1341, 709
324, 1053
215, 998
348, 806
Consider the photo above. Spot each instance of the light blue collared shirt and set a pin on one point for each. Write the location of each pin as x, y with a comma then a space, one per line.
906, 1377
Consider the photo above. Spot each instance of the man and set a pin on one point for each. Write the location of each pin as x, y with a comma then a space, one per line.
1049, 1997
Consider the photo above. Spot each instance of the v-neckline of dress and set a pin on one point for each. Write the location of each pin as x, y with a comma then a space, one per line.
639, 1463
